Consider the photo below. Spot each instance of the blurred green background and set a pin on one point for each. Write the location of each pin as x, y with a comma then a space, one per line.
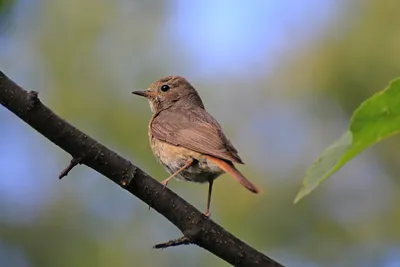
282, 77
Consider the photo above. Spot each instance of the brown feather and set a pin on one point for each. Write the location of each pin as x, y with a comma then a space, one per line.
194, 128
235, 173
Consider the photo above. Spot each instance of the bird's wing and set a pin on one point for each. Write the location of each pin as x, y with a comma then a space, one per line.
195, 129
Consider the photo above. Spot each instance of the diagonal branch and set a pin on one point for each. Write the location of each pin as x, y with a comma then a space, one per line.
197, 229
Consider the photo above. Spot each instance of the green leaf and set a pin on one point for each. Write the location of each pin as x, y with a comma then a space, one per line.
377, 118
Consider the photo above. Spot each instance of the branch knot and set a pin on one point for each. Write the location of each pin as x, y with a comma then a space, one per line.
33, 100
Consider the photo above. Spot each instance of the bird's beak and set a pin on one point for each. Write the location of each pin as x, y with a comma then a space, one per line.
145, 93
141, 93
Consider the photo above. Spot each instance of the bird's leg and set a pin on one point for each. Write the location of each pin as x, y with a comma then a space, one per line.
210, 184
188, 163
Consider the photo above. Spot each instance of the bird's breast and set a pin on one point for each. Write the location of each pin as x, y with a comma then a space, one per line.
174, 158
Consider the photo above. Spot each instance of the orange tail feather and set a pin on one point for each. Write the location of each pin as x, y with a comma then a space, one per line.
230, 168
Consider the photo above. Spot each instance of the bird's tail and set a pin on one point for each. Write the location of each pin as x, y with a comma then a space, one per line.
230, 168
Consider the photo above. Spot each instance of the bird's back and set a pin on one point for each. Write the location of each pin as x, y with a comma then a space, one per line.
194, 128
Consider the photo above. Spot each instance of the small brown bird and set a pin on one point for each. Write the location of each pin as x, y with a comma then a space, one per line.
186, 139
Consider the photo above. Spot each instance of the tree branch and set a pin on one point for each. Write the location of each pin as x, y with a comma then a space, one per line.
197, 229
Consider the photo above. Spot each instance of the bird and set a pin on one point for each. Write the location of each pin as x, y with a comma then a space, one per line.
188, 142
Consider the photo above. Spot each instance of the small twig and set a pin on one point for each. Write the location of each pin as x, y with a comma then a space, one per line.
72, 163
176, 242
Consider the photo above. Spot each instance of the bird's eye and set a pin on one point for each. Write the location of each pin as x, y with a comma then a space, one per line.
165, 87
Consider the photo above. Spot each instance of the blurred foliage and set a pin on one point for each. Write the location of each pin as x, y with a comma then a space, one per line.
5, 10
5, 6
85, 58
376, 119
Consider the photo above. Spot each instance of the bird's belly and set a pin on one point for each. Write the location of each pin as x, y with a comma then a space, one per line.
174, 158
